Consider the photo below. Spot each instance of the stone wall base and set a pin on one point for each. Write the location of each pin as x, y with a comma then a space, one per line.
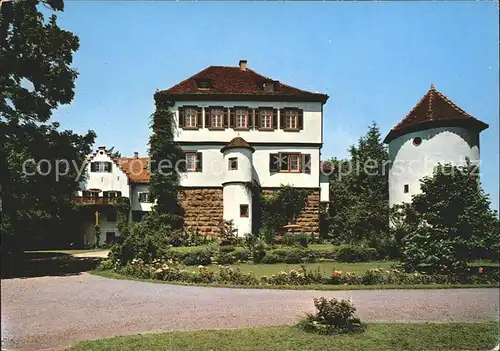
202, 210
309, 217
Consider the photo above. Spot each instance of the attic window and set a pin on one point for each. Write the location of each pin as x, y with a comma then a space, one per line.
269, 87
417, 141
204, 83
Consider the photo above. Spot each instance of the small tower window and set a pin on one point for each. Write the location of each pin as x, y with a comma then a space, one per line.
417, 141
233, 163
243, 210
406, 188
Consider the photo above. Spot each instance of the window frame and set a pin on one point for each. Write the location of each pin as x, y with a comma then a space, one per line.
195, 155
212, 117
245, 116
295, 117
99, 167
230, 163
147, 195
263, 116
186, 116
244, 211
288, 169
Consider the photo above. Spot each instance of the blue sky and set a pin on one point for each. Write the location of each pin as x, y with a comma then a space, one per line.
374, 59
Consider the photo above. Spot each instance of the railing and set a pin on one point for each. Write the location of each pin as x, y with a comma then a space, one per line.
92, 200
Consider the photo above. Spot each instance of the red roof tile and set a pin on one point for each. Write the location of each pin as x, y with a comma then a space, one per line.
136, 169
434, 110
237, 142
233, 81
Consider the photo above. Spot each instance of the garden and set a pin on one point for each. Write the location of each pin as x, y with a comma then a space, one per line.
447, 236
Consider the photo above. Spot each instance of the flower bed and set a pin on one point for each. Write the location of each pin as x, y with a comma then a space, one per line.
170, 271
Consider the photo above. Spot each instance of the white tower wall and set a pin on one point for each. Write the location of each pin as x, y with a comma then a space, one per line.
235, 189
410, 163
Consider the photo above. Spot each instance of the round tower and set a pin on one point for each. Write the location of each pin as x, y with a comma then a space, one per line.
434, 131
237, 176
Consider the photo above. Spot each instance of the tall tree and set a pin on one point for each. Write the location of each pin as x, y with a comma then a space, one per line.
450, 222
35, 78
358, 211
166, 158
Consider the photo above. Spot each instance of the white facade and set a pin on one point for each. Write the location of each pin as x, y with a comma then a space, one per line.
311, 132
411, 162
116, 180
105, 181
214, 172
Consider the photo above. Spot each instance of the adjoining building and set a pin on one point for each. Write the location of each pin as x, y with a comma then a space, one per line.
434, 131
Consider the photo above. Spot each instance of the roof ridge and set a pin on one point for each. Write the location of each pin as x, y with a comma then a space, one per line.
430, 111
280, 82
188, 78
452, 104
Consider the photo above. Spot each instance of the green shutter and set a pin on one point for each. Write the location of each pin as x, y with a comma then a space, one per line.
199, 159
181, 117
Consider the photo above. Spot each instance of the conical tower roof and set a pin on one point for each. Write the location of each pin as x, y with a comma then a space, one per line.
432, 111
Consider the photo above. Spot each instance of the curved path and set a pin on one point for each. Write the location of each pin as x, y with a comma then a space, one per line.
55, 312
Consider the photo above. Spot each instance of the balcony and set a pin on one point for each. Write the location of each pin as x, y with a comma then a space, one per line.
95, 200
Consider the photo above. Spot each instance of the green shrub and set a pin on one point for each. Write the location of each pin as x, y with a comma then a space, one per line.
227, 233
259, 251
332, 317
293, 255
293, 239
230, 275
193, 257
225, 258
241, 254
147, 240
351, 253
270, 258
268, 234
226, 249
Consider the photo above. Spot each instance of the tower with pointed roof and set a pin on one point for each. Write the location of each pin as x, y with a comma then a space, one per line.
434, 131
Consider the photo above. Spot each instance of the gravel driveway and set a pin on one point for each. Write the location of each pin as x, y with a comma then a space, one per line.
55, 312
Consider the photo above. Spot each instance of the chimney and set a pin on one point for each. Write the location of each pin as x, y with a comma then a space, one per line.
136, 154
243, 65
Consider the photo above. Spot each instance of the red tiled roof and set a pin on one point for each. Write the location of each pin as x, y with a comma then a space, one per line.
237, 142
136, 168
233, 81
434, 110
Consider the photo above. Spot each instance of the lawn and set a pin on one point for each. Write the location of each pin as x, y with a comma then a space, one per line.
471, 336
67, 252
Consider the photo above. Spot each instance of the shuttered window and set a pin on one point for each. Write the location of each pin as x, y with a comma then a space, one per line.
291, 119
265, 119
216, 117
290, 163
241, 118
193, 162
100, 166
190, 118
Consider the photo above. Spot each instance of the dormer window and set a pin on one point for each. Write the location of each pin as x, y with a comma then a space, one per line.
269, 87
203, 83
